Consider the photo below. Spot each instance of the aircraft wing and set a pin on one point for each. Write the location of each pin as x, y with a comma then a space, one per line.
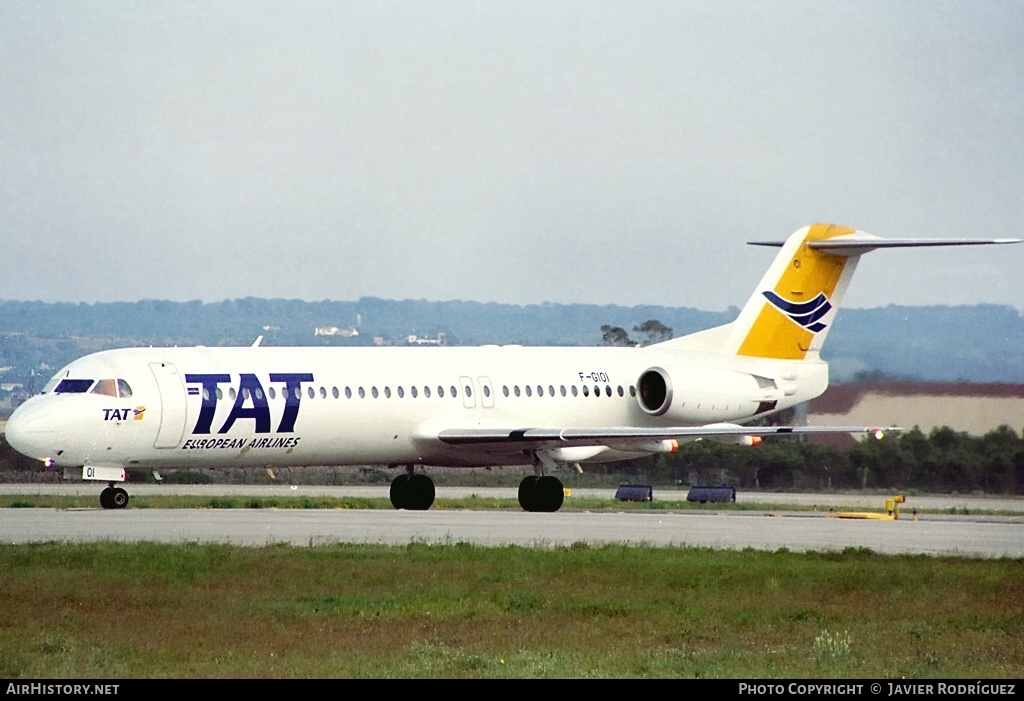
620, 437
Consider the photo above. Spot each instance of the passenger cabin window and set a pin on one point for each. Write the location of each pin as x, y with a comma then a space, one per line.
69, 386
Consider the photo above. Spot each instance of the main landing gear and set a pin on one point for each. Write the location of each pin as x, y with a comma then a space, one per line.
411, 491
113, 497
541, 494
537, 493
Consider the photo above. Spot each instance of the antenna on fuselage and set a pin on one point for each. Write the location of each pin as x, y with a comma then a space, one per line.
257, 342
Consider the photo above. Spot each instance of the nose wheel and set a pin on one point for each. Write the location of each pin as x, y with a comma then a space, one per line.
113, 498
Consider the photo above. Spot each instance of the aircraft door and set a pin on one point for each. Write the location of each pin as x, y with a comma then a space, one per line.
173, 409
486, 393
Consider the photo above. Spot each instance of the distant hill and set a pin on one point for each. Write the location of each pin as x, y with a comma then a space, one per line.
983, 343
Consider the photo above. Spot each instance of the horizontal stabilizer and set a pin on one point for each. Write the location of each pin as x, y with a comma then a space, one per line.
859, 243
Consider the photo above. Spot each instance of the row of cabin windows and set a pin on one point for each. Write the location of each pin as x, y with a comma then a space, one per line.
349, 393
120, 388
452, 391
573, 390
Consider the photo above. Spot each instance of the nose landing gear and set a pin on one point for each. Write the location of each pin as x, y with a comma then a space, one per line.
113, 497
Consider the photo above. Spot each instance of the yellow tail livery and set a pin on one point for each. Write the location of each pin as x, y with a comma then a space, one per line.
792, 310
793, 307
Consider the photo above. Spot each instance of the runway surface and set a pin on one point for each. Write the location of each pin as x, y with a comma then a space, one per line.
971, 536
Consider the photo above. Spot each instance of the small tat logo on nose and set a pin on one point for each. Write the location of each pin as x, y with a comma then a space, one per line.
139, 412
805, 314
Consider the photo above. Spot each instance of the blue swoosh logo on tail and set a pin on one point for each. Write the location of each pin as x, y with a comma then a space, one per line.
805, 314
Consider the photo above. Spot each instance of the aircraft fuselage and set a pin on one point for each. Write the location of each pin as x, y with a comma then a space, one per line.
202, 407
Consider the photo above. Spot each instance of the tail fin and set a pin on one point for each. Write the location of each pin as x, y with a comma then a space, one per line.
791, 311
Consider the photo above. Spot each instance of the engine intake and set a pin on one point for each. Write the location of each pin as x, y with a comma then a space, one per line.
654, 391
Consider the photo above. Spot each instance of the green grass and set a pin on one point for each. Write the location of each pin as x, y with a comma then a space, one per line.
151, 610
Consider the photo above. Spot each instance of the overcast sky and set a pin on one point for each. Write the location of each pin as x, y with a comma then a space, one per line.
522, 152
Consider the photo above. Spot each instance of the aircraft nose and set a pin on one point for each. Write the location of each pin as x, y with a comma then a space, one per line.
30, 431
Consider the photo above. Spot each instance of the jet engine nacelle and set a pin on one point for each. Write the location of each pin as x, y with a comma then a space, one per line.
688, 396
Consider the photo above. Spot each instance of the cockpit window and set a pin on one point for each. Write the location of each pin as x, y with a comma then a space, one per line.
106, 387
113, 388
70, 386
53, 382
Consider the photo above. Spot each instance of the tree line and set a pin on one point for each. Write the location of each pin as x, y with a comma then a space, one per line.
942, 461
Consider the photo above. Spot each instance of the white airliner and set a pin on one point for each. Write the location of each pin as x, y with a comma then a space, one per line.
161, 408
